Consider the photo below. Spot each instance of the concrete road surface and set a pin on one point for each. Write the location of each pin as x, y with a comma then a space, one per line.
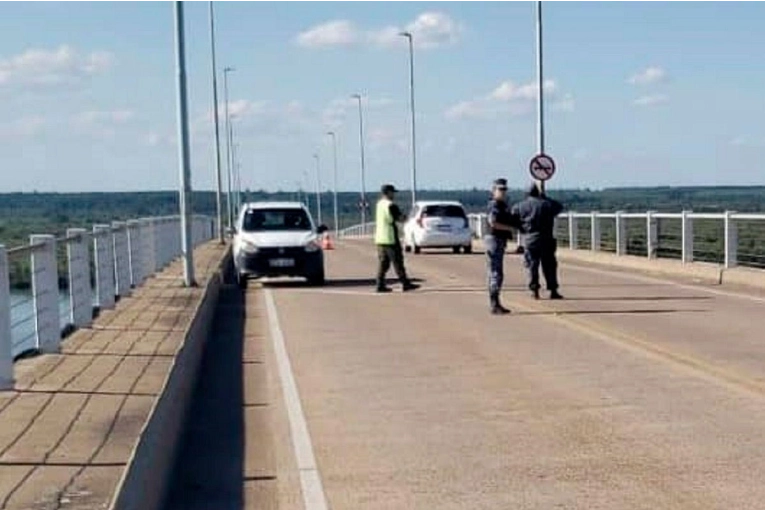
632, 394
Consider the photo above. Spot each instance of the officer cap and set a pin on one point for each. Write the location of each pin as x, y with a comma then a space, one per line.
388, 188
500, 184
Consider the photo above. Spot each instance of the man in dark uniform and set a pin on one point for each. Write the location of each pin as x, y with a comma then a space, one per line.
500, 229
389, 249
537, 215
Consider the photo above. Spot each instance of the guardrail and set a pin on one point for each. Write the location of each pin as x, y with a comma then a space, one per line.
358, 231
99, 267
729, 239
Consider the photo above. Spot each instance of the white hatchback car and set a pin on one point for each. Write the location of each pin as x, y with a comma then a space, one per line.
438, 225
277, 239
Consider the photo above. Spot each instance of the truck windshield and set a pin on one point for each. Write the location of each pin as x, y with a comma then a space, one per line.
275, 220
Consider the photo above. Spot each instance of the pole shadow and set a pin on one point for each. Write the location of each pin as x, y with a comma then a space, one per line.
210, 464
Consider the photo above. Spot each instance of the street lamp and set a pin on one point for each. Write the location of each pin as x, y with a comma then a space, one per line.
183, 148
540, 90
409, 37
228, 144
334, 179
363, 178
318, 188
218, 199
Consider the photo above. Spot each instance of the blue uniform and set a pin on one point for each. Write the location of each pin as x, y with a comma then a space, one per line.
496, 244
537, 218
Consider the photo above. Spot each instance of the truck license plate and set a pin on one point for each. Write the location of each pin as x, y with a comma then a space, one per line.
282, 262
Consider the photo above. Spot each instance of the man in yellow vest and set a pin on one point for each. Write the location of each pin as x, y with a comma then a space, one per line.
389, 250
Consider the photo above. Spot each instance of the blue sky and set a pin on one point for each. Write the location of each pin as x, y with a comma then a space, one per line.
639, 93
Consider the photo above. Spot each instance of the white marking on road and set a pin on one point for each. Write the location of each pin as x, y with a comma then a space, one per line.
310, 478
659, 281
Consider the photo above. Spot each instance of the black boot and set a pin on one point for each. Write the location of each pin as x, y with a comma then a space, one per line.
554, 294
496, 306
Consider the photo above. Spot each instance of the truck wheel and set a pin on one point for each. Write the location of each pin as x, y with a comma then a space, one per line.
317, 279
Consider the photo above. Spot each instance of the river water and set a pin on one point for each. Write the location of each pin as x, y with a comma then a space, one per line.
23, 322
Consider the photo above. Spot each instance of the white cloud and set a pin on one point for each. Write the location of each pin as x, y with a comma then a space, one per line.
52, 67
331, 33
24, 127
511, 99
744, 141
648, 76
336, 112
92, 118
509, 91
651, 100
429, 30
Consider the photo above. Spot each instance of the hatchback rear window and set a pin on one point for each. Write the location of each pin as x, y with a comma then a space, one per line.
274, 220
444, 211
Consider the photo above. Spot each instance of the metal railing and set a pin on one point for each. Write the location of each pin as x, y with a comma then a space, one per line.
54, 285
358, 231
729, 239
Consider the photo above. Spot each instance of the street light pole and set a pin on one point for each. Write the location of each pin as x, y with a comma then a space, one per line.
540, 90
219, 179
409, 37
334, 183
228, 145
318, 188
183, 149
363, 170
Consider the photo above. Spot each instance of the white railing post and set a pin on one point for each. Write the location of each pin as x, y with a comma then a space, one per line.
687, 240
103, 248
147, 247
731, 241
573, 231
652, 235
134, 252
80, 291
621, 234
156, 248
45, 293
121, 259
6, 343
595, 231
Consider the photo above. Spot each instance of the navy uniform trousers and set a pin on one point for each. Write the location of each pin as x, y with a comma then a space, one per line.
495, 261
542, 253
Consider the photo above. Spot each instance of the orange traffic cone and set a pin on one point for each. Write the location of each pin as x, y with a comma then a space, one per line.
326, 243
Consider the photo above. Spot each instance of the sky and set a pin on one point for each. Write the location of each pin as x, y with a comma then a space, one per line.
636, 93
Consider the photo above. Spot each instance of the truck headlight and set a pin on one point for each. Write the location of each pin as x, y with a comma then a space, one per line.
249, 247
312, 246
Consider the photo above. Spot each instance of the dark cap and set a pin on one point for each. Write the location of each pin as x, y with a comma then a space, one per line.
388, 188
499, 184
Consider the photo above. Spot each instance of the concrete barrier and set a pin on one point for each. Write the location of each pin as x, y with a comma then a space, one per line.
698, 271
145, 481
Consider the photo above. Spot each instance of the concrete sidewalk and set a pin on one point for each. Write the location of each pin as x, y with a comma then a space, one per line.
69, 430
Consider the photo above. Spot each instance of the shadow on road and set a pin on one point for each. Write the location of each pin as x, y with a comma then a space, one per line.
333, 283
609, 312
209, 469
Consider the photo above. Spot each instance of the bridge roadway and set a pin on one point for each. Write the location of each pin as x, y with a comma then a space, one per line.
634, 393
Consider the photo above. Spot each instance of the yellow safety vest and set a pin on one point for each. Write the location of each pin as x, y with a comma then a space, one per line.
385, 234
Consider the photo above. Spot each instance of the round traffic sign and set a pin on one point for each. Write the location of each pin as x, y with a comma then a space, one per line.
542, 167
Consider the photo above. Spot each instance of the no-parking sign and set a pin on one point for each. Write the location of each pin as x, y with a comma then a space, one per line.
542, 167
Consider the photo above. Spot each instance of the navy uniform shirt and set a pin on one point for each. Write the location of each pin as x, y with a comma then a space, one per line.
499, 212
537, 218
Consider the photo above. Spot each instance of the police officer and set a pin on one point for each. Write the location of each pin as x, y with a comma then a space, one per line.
537, 215
389, 250
500, 230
